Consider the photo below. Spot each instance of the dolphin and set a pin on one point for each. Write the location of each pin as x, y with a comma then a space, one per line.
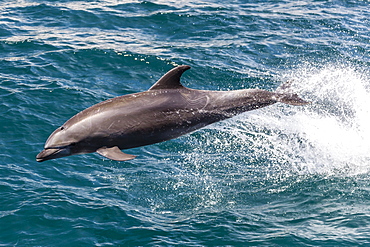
166, 111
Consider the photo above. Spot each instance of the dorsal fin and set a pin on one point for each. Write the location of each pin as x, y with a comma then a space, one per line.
171, 80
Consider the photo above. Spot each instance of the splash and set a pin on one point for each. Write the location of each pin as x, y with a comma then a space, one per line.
331, 136
274, 148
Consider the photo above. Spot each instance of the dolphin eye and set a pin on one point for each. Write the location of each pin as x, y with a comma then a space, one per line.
62, 128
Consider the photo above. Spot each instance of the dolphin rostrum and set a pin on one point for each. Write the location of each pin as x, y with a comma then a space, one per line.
166, 111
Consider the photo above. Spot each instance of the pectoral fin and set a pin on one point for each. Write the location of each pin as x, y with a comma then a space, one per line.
114, 153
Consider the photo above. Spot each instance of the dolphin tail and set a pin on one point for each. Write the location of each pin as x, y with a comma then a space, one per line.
285, 95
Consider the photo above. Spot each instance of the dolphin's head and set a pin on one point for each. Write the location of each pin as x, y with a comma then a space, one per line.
63, 142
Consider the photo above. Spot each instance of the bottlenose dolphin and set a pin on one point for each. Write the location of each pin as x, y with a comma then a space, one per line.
166, 111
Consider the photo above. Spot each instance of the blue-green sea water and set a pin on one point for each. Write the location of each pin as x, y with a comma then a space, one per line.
278, 176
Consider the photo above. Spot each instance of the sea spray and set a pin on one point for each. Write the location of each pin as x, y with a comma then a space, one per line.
330, 136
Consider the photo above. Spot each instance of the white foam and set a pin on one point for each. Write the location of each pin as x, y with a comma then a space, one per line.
329, 136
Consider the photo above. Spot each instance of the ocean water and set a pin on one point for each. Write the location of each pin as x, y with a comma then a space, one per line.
278, 176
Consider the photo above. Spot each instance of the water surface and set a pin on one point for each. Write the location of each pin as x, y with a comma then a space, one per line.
278, 176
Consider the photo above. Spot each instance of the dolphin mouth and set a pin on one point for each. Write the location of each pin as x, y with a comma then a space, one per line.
52, 153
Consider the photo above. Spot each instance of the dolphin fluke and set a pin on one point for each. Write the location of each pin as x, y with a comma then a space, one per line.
291, 99
285, 94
